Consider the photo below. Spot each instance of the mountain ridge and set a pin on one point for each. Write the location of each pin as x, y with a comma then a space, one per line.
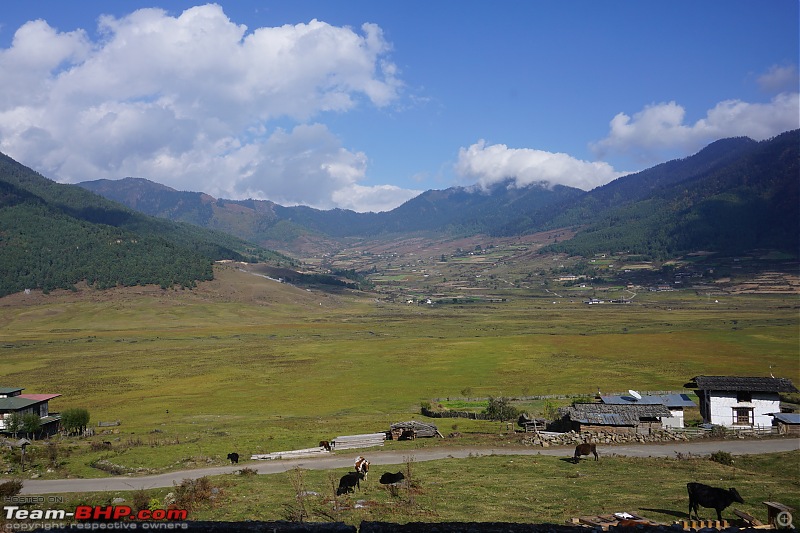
503, 209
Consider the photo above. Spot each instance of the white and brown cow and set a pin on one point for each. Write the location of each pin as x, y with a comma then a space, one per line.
362, 466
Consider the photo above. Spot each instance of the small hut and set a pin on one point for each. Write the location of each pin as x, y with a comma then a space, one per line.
412, 429
787, 423
610, 418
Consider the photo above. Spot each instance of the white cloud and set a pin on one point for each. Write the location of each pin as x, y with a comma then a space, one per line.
659, 132
780, 79
189, 100
309, 166
524, 166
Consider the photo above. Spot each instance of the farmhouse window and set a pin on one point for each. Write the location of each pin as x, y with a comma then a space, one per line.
744, 396
742, 416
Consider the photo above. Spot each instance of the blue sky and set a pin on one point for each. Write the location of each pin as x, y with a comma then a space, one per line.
363, 105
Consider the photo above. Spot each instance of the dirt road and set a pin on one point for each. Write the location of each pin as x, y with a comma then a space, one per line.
386, 457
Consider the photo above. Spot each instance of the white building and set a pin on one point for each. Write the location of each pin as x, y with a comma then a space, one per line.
739, 402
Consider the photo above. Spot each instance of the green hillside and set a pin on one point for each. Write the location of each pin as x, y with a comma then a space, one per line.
740, 197
54, 236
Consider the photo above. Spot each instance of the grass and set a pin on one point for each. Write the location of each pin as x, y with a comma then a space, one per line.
250, 365
533, 489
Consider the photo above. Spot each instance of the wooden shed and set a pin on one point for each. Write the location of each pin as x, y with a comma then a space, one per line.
787, 423
413, 429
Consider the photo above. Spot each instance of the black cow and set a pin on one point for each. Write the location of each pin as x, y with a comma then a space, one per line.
389, 479
584, 449
234, 458
348, 482
325, 445
711, 497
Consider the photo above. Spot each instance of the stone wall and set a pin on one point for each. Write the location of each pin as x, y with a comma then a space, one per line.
546, 439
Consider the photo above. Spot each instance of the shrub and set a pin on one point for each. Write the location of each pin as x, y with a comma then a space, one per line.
10, 488
141, 500
723, 458
193, 492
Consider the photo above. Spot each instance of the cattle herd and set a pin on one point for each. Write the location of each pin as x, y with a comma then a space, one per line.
699, 494
352, 480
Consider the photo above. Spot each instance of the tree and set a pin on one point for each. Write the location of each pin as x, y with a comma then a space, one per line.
31, 424
75, 420
501, 409
14, 423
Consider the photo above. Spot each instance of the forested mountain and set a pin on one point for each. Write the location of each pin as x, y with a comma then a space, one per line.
734, 195
53, 236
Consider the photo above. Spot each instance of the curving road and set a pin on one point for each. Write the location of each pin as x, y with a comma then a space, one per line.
386, 457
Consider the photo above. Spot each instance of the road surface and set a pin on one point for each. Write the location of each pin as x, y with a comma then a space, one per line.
387, 457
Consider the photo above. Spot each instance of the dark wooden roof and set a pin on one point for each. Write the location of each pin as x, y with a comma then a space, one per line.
741, 383
613, 415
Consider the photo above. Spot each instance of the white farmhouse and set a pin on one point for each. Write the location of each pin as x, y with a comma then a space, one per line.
739, 402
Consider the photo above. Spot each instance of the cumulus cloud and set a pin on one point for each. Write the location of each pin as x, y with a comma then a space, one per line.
659, 131
524, 166
190, 101
309, 166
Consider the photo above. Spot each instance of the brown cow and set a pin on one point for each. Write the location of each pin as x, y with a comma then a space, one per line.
584, 449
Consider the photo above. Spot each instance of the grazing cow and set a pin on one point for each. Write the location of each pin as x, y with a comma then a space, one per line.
234, 458
362, 466
584, 449
712, 497
348, 482
389, 479
324, 444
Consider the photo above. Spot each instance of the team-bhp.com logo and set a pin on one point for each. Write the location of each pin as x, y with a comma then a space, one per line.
98, 515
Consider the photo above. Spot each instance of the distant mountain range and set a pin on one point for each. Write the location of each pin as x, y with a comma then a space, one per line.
733, 196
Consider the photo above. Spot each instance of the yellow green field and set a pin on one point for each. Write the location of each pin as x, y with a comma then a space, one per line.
248, 364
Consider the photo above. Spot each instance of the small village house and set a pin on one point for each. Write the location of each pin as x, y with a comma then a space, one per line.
609, 418
676, 403
740, 402
13, 401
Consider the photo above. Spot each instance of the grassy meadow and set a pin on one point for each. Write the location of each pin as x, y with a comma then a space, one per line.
243, 363
532, 489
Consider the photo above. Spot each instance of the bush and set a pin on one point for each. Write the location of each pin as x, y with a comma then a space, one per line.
193, 492
10, 488
141, 500
723, 458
